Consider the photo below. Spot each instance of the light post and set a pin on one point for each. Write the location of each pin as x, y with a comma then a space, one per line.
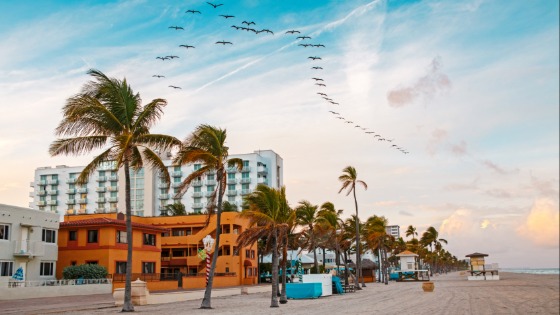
208, 242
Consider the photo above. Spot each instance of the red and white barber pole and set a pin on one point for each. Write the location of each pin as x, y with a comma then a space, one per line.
208, 242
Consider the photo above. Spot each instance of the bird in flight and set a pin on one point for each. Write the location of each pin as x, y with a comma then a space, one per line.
224, 42
248, 23
171, 57
370, 132
162, 58
320, 84
334, 103
175, 87
357, 126
292, 32
303, 37
328, 99
177, 28
158, 76
314, 58
304, 45
349, 122
318, 45
265, 31
236, 27
317, 79
322, 94
340, 118
192, 11
186, 46
377, 136
227, 16
317, 68
334, 113
214, 5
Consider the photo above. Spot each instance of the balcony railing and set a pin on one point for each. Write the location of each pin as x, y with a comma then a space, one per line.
52, 181
52, 192
52, 202
231, 170
100, 189
82, 200
27, 248
261, 180
113, 178
42, 183
232, 181
71, 180
82, 190
163, 196
208, 193
113, 188
175, 185
120, 277
246, 169
196, 183
261, 169
197, 194
101, 179
113, 199
211, 182
177, 174
231, 193
71, 191
41, 203
101, 200
197, 205
71, 202
42, 193
246, 191
162, 185
245, 180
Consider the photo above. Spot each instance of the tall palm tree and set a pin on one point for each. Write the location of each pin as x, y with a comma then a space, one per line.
206, 145
329, 221
431, 238
349, 179
269, 218
411, 231
108, 115
307, 217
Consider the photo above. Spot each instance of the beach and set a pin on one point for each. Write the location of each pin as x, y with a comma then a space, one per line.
453, 294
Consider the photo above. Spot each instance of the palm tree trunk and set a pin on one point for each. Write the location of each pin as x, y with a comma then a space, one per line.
206, 302
274, 280
283, 297
127, 304
345, 268
324, 258
386, 268
315, 263
358, 252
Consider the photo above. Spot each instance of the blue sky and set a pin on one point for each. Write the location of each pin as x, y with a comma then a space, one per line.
469, 88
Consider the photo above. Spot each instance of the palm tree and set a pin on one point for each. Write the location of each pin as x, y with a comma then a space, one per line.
206, 145
269, 217
378, 239
429, 238
229, 207
411, 231
174, 209
329, 221
108, 112
307, 217
349, 178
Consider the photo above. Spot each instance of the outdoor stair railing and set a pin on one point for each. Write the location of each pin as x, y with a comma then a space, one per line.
63, 282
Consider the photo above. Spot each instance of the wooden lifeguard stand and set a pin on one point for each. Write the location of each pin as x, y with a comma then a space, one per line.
480, 270
409, 269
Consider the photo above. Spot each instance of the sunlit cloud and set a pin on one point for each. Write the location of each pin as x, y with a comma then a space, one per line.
541, 224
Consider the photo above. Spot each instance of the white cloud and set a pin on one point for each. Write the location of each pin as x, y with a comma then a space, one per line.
541, 225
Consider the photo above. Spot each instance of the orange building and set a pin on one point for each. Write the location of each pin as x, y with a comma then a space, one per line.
163, 248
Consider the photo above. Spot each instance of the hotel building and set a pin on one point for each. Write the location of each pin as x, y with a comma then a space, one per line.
55, 188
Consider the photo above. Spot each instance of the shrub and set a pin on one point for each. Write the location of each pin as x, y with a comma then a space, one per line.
87, 271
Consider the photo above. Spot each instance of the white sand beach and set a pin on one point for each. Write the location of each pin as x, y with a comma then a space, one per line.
453, 294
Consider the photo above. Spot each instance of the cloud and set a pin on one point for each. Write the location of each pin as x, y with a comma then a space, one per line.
486, 223
408, 214
493, 166
459, 149
387, 203
498, 193
458, 223
541, 224
458, 187
438, 135
426, 87
548, 188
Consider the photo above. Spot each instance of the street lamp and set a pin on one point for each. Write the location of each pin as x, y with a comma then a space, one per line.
208, 242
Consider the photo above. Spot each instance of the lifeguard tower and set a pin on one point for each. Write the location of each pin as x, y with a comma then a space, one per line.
409, 269
480, 270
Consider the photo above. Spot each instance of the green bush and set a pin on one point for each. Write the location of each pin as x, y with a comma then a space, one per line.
87, 271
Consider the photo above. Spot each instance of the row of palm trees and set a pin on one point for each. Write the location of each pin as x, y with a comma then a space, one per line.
108, 116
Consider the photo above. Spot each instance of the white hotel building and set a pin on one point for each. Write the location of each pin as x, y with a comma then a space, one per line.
55, 189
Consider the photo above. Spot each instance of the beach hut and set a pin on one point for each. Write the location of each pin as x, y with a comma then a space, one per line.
480, 270
407, 260
368, 266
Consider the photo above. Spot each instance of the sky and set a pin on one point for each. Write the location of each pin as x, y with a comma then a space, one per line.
469, 89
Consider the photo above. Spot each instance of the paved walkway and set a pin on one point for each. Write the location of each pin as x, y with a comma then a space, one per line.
57, 304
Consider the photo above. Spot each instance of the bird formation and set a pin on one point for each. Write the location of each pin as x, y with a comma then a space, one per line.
302, 40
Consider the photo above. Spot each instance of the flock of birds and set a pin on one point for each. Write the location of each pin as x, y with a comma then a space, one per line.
303, 41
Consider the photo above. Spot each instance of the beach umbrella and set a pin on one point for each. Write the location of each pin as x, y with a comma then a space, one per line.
19, 274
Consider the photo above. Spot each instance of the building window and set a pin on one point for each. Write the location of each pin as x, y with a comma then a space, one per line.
6, 268
121, 237
120, 267
178, 253
73, 263
49, 236
91, 262
148, 267
250, 254
72, 235
92, 236
177, 232
47, 269
4, 232
149, 239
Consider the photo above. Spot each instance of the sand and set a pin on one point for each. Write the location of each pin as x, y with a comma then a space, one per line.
453, 294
